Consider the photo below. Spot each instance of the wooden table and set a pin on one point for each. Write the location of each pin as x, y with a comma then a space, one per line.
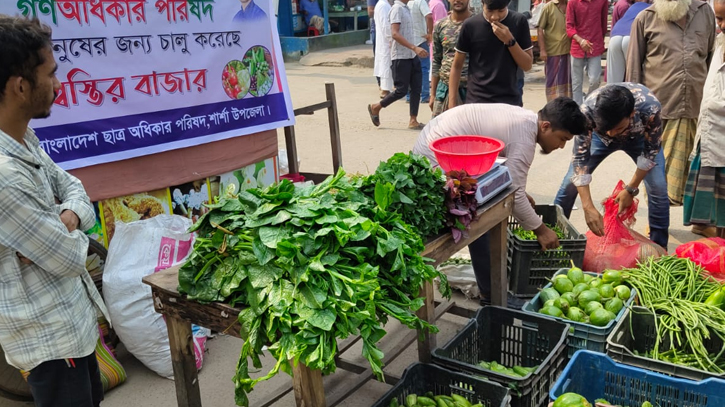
354, 14
307, 384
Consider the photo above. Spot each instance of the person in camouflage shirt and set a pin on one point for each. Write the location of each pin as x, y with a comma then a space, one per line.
445, 37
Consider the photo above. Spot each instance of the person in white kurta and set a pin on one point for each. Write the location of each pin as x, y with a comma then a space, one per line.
383, 62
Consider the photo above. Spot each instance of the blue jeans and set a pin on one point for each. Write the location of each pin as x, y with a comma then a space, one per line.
593, 66
425, 71
655, 182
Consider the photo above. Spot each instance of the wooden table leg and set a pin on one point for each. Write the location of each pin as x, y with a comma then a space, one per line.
427, 313
307, 383
181, 342
499, 283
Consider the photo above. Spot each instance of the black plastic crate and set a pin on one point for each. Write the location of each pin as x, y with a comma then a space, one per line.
529, 268
420, 378
510, 338
636, 332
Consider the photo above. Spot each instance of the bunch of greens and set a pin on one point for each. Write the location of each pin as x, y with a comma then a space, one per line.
418, 195
311, 265
524, 234
260, 71
460, 199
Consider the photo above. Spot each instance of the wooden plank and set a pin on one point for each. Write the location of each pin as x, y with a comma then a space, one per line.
215, 316
494, 212
311, 109
291, 146
181, 343
333, 118
427, 313
309, 391
499, 283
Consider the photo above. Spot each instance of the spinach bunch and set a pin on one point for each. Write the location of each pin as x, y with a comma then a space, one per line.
418, 196
310, 265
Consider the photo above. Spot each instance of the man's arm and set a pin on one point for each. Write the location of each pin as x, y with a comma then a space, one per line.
455, 79
712, 36
70, 192
571, 20
429, 27
400, 39
582, 178
605, 18
637, 50
521, 51
38, 234
436, 62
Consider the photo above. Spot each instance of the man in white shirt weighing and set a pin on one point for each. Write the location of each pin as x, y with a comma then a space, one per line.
520, 130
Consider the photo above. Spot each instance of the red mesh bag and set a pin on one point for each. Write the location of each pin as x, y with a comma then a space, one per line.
708, 253
620, 247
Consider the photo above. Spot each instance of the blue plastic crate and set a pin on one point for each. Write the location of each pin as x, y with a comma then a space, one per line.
594, 376
581, 335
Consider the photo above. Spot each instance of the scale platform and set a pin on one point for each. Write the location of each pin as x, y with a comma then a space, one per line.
493, 182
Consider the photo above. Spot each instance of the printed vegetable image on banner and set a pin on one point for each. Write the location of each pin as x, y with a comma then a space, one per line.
140, 77
259, 175
131, 208
189, 200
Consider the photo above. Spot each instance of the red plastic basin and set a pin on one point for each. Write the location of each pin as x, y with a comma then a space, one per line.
473, 154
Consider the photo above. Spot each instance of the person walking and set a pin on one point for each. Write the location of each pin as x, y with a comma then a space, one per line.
382, 67
554, 48
48, 302
620, 7
445, 37
621, 117
423, 33
406, 65
670, 49
521, 131
619, 42
497, 42
704, 203
586, 25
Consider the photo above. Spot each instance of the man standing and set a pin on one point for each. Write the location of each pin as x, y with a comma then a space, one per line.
623, 117
520, 130
670, 48
554, 46
48, 302
497, 43
586, 24
445, 37
406, 65
423, 33
383, 65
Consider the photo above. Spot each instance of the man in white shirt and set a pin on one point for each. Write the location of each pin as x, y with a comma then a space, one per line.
520, 130
423, 33
48, 302
383, 41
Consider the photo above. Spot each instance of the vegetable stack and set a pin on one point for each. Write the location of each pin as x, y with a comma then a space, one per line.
310, 265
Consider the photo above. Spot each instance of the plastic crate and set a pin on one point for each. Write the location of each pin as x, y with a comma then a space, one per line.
511, 338
637, 332
581, 336
528, 266
420, 378
594, 376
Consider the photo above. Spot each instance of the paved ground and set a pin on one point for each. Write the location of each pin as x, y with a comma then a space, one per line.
363, 147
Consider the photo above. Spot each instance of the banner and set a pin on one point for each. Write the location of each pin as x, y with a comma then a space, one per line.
144, 76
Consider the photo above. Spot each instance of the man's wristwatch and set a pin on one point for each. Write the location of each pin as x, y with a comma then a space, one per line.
632, 191
511, 43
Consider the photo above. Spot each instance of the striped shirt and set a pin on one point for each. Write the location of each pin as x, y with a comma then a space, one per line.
515, 126
48, 309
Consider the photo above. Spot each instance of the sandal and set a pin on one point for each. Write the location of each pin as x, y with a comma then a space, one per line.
374, 117
418, 126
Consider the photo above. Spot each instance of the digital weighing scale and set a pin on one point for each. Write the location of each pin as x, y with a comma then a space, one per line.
493, 182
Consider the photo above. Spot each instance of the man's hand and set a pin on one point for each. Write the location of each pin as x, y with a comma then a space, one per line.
428, 38
70, 220
23, 259
542, 55
420, 52
595, 221
547, 238
531, 201
502, 32
625, 200
586, 45
452, 100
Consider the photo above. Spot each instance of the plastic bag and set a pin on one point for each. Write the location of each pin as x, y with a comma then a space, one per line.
137, 250
620, 247
708, 253
461, 277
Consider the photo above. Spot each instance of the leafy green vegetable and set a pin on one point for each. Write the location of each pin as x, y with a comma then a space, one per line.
524, 234
310, 265
460, 200
417, 191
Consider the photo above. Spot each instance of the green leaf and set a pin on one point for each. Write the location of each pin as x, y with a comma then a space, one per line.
270, 236
311, 296
383, 194
262, 252
322, 319
263, 276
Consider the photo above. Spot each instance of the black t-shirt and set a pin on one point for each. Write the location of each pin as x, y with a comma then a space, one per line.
491, 68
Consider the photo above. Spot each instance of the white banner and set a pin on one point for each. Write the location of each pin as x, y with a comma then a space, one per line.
144, 76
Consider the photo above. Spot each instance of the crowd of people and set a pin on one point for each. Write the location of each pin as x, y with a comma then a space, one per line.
663, 102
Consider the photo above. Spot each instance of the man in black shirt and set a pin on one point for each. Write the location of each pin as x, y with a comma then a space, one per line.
498, 43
